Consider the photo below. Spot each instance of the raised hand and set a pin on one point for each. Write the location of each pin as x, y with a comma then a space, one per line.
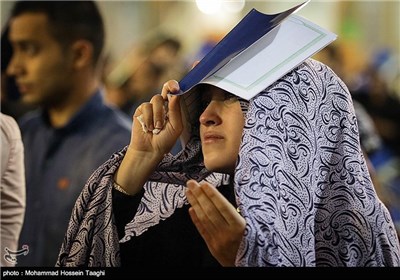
156, 127
158, 123
217, 220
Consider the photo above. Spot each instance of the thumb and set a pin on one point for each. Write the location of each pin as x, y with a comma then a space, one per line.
170, 90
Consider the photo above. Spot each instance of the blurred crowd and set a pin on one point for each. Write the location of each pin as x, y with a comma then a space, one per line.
142, 74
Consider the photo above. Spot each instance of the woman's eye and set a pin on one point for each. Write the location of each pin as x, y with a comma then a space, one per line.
229, 98
204, 104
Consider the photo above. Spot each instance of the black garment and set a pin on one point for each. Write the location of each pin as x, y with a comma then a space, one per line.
173, 242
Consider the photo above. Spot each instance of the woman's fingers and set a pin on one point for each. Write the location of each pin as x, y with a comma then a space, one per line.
146, 116
208, 202
169, 91
162, 112
152, 115
174, 113
205, 206
220, 202
159, 113
170, 86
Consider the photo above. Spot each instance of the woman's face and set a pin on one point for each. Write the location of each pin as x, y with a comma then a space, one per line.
221, 127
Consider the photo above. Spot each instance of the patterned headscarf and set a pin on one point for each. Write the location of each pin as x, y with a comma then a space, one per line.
301, 184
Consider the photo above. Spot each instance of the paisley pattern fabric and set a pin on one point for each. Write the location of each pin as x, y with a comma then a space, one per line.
301, 183
92, 239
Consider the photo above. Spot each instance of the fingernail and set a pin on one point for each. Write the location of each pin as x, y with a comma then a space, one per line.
140, 119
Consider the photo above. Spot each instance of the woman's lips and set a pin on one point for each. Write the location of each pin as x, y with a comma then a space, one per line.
210, 137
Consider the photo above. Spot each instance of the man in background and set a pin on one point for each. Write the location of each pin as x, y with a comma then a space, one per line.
56, 62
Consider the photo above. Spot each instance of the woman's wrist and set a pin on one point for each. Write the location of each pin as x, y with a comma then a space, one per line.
135, 169
119, 188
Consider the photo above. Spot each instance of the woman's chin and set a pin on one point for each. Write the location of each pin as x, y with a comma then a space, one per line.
219, 168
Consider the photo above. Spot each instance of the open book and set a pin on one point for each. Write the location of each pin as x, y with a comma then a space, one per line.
258, 51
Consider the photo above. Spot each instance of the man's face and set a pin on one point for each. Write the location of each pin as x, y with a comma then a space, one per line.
41, 68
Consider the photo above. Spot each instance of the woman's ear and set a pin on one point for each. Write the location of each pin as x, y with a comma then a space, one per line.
82, 53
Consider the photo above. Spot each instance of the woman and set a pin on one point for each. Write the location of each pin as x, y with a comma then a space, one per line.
289, 161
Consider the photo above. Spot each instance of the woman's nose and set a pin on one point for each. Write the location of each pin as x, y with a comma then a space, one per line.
211, 115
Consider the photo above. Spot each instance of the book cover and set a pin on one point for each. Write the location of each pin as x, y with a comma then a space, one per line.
249, 30
258, 51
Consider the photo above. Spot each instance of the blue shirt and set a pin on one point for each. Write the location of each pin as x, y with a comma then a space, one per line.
58, 163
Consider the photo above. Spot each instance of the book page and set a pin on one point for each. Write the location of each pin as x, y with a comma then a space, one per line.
268, 59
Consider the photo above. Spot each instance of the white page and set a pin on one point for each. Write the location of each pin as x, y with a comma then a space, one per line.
272, 56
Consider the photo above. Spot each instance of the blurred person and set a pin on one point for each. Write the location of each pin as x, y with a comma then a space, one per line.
387, 63
57, 47
154, 62
140, 75
12, 189
138, 88
165, 54
370, 139
279, 180
383, 106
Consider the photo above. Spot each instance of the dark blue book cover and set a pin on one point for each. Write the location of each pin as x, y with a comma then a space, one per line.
250, 29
